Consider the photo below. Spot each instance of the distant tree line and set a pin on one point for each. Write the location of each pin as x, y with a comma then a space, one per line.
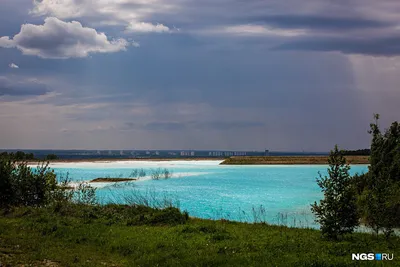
21, 156
51, 157
359, 152
372, 198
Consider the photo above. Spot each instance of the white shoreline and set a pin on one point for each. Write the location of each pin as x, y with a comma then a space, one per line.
132, 163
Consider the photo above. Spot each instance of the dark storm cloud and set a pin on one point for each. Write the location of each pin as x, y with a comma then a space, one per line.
319, 22
10, 87
386, 46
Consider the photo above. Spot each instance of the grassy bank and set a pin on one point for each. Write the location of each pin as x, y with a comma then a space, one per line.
115, 235
276, 160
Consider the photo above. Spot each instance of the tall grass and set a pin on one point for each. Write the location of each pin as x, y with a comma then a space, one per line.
149, 198
157, 174
259, 215
138, 173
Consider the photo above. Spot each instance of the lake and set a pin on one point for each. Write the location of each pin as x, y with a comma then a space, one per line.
277, 194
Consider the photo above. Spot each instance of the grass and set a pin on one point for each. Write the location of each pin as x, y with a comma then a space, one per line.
272, 160
117, 235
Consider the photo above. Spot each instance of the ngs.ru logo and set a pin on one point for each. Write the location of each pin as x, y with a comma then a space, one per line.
372, 256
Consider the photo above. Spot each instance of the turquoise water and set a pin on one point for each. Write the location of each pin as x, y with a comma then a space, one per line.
275, 194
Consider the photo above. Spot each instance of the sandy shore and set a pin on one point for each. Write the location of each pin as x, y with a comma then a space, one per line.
102, 160
267, 160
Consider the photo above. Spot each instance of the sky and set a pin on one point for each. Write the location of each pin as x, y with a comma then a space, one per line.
288, 75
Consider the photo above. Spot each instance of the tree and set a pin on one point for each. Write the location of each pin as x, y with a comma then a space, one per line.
337, 211
7, 167
51, 157
380, 200
19, 155
20, 185
4, 155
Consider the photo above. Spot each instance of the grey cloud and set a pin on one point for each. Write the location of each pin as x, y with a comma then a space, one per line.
164, 126
112, 13
129, 125
320, 22
10, 87
227, 125
209, 125
344, 20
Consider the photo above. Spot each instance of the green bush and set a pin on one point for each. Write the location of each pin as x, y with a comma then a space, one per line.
19, 155
51, 157
138, 173
85, 194
337, 211
20, 185
170, 216
379, 198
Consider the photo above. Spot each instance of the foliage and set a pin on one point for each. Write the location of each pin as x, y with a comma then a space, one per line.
23, 186
157, 174
51, 157
138, 173
19, 155
358, 152
150, 198
22, 156
337, 212
85, 194
379, 197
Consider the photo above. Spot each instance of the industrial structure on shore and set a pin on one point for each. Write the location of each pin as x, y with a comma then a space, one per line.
143, 154
157, 154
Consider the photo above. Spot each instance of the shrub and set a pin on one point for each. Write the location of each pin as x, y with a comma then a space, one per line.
85, 194
7, 167
19, 155
142, 173
51, 157
380, 199
167, 173
337, 212
138, 173
170, 216
134, 173
157, 174
20, 185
